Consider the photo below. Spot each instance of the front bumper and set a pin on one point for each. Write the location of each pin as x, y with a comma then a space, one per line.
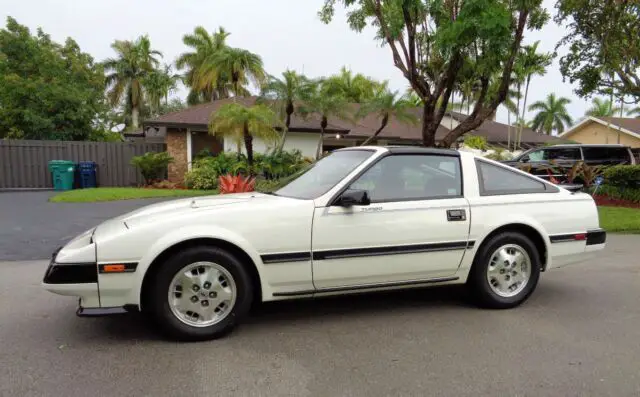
73, 279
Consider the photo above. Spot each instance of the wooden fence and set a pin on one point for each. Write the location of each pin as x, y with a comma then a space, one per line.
23, 163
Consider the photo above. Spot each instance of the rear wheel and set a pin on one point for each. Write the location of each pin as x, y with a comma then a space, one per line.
200, 293
505, 271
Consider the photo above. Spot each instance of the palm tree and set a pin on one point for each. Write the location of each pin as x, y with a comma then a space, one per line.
354, 88
241, 66
134, 62
531, 64
634, 112
601, 108
158, 85
205, 46
386, 104
284, 94
552, 114
326, 106
242, 124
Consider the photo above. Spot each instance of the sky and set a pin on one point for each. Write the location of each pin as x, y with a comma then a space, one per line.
285, 33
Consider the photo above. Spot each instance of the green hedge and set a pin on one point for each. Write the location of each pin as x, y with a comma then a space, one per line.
620, 193
622, 175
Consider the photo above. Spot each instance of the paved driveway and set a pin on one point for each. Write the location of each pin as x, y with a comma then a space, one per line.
31, 227
577, 336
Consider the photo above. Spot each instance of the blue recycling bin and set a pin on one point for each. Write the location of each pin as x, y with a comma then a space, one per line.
87, 170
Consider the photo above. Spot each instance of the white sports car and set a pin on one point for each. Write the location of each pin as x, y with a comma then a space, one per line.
360, 219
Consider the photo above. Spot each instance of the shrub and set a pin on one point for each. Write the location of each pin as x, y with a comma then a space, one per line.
623, 175
267, 185
476, 142
201, 178
236, 184
280, 165
615, 192
152, 166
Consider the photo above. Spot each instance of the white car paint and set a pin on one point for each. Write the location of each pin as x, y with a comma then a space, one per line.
265, 227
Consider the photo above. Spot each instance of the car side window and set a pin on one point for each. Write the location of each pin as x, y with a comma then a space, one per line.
412, 177
563, 154
499, 180
537, 155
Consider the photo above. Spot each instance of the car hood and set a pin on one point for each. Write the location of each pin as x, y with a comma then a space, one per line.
188, 204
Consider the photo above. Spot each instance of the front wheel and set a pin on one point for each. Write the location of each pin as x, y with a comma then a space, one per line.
200, 293
505, 271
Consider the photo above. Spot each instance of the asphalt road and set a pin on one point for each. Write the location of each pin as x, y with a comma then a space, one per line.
577, 336
32, 228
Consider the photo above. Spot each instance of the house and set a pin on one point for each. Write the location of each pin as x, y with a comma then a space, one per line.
599, 130
186, 133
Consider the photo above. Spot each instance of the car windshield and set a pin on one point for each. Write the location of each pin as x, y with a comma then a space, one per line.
320, 177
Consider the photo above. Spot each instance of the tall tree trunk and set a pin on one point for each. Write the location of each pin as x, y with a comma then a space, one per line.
429, 127
248, 146
287, 122
517, 115
135, 117
508, 129
524, 109
323, 125
385, 120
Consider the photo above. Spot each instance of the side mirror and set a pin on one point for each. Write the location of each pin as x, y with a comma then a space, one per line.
354, 197
525, 159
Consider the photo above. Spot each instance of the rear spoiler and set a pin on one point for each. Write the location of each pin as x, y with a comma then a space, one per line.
573, 188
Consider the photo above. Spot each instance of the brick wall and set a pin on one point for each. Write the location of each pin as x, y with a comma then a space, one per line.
177, 147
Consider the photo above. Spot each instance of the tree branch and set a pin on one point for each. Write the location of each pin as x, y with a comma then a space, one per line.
480, 112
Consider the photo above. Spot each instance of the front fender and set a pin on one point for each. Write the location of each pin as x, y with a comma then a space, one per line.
187, 233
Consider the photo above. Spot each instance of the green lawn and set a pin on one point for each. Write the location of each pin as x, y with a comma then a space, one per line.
620, 220
122, 193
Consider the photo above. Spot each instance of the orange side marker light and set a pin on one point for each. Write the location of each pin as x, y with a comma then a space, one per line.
114, 268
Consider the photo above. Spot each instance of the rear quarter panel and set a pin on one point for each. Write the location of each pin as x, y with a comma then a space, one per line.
548, 213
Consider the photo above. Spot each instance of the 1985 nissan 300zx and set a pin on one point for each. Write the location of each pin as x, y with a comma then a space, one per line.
360, 219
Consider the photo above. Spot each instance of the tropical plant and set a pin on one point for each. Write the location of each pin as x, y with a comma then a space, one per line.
386, 104
241, 66
530, 63
158, 84
152, 165
602, 108
134, 61
205, 47
589, 173
552, 114
236, 184
634, 112
240, 123
476, 142
325, 106
283, 95
354, 88
432, 40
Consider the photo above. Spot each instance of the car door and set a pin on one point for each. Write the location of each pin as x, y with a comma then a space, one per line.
415, 227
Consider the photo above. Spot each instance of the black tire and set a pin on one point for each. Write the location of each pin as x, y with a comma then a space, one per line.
158, 302
478, 283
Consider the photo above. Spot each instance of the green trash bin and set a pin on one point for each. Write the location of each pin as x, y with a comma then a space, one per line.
62, 174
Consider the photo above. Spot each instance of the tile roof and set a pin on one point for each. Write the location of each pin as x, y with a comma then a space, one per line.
494, 132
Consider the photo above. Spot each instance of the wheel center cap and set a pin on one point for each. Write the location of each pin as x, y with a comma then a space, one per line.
203, 294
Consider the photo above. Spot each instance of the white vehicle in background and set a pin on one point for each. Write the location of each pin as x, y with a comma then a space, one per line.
361, 219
